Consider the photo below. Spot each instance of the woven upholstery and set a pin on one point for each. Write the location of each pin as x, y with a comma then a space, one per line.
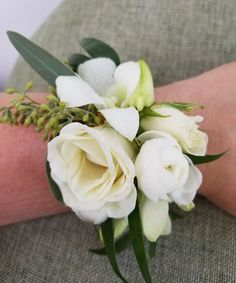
179, 39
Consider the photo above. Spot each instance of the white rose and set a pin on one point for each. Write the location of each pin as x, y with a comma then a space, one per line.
182, 127
94, 170
164, 172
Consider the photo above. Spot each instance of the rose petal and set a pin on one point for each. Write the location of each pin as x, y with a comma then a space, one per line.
124, 120
124, 207
186, 194
76, 92
98, 73
154, 135
154, 217
128, 75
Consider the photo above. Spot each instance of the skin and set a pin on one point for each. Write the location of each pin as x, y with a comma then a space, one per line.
25, 193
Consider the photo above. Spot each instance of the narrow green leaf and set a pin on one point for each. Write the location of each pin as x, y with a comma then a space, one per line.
182, 105
108, 237
76, 59
46, 65
96, 48
53, 185
152, 249
206, 158
136, 235
148, 112
120, 245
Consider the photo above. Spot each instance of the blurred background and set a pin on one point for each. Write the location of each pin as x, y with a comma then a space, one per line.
23, 16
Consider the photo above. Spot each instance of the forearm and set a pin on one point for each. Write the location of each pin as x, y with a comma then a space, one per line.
24, 192
216, 91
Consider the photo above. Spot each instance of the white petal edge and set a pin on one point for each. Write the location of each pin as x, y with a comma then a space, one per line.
148, 135
75, 92
98, 73
154, 217
128, 74
124, 120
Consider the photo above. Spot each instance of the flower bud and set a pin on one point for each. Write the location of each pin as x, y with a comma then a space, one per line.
29, 85
23, 108
143, 95
62, 104
85, 118
97, 120
6, 117
53, 98
21, 97
10, 90
34, 116
41, 121
27, 121
53, 121
44, 107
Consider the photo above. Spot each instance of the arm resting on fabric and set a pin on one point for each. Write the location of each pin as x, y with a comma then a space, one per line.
216, 91
24, 191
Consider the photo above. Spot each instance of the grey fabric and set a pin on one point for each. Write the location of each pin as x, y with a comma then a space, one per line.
179, 39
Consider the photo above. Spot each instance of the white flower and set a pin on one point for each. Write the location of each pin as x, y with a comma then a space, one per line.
182, 127
155, 218
94, 170
164, 172
100, 82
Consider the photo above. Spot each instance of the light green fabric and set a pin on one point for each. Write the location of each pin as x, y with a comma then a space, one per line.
179, 39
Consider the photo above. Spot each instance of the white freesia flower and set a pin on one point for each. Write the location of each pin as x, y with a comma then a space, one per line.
155, 218
116, 91
164, 172
182, 127
94, 170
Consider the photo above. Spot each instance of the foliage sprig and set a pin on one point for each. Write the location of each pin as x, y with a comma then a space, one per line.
49, 117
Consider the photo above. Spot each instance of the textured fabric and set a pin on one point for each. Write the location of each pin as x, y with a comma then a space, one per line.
178, 39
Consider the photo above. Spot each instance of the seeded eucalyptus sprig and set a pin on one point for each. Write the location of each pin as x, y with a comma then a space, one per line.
49, 117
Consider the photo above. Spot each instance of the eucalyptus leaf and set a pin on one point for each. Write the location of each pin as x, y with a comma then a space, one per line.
137, 240
46, 65
76, 59
53, 185
97, 48
120, 245
108, 237
206, 158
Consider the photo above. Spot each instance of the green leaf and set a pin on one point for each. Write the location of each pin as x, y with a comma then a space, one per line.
76, 59
96, 48
53, 185
137, 239
206, 158
120, 245
182, 106
152, 249
46, 65
108, 237
148, 112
